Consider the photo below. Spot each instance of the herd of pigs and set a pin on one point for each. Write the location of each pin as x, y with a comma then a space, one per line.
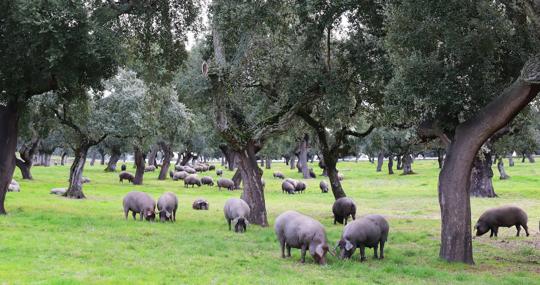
293, 229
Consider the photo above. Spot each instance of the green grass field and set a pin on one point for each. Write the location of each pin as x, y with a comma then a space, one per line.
52, 240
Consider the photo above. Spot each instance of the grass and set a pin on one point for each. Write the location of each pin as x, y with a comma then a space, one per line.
47, 239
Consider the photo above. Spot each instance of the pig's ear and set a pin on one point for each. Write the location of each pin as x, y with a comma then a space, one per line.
234, 222
319, 250
348, 245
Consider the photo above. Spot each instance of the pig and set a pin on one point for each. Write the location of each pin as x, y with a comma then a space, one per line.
312, 173
286, 186
193, 180
300, 186
340, 176
292, 181
295, 230
199, 168
167, 205
505, 216
279, 175
179, 168
189, 170
236, 212
225, 183
86, 180
342, 209
150, 168
171, 174
180, 175
212, 167
139, 203
219, 172
126, 175
368, 231
324, 186
58, 191
14, 186
123, 167
200, 204
207, 180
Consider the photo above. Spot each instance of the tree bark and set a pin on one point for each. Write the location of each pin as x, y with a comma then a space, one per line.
139, 164
237, 179
454, 178
302, 159
330, 163
253, 192
153, 154
102, 156
380, 161
186, 157
9, 119
167, 156
511, 160
93, 160
407, 164
440, 158
390, 165
268, 163
292, 162
502, 171
482, 177
27, 154
63, 159
75, 189
113, 160
399, 165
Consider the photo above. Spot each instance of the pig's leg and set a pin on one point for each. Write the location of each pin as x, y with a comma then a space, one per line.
526, 229
282, 244
375, 248
382, 250
229, 222
288, 251
363, 253
134, 214
304, 247
518, 228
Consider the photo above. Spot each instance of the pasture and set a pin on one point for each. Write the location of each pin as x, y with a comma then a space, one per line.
47, 239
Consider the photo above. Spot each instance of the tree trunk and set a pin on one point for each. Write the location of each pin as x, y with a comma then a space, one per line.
153, 154
63, 159
292, 161
502, 172
113, 160
102, 155
27, 154
139, 164
9, 119
186, 157
167, 155
482, 177
390, 165
454, 178
380, 160
511, 160
93, 160
407, 164
530, 157
253, 192
440, 158
287, 159
24, 167
399, 165
75, 189
237, 179
262, 161
322, 166
302, 158
330, 163
268, 163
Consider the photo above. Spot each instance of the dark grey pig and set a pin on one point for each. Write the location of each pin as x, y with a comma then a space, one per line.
150, 168
286, 186
200, 204
279, 175
225, 183
167, 205
294, 230
300, 186
368, 231
179, 168
505, 216
324, 186
219, 172
207, 180
179, 175
139, 203
236, 212
127, 176
192, 180
342, 209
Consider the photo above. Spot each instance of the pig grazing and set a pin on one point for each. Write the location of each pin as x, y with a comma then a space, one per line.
150, 168
207, 180
180, 175
300, 186
236, 212
368, 231
505, 216
212, 167
139, 203
279, 175
167, 205
200, 204
294, 230
179, 168
225, 183
189, 170
192, 180
342, 209
58, 191
126, 175
219, 172
324, 186
292, 181
286, 186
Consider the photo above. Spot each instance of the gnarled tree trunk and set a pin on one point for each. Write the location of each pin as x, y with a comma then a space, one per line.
9, 119
268, 162
152, 155
399, 165
502, 172
253, 192
63, 158
511, 162
390, 165
380, 161
302, 158
482, 177
440, 157
113, 160
530, 157
330, 163
292, 162
139, 164
237, 179
27, 154
93, 159
75, 189
407, 164
102, 156
167, 156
